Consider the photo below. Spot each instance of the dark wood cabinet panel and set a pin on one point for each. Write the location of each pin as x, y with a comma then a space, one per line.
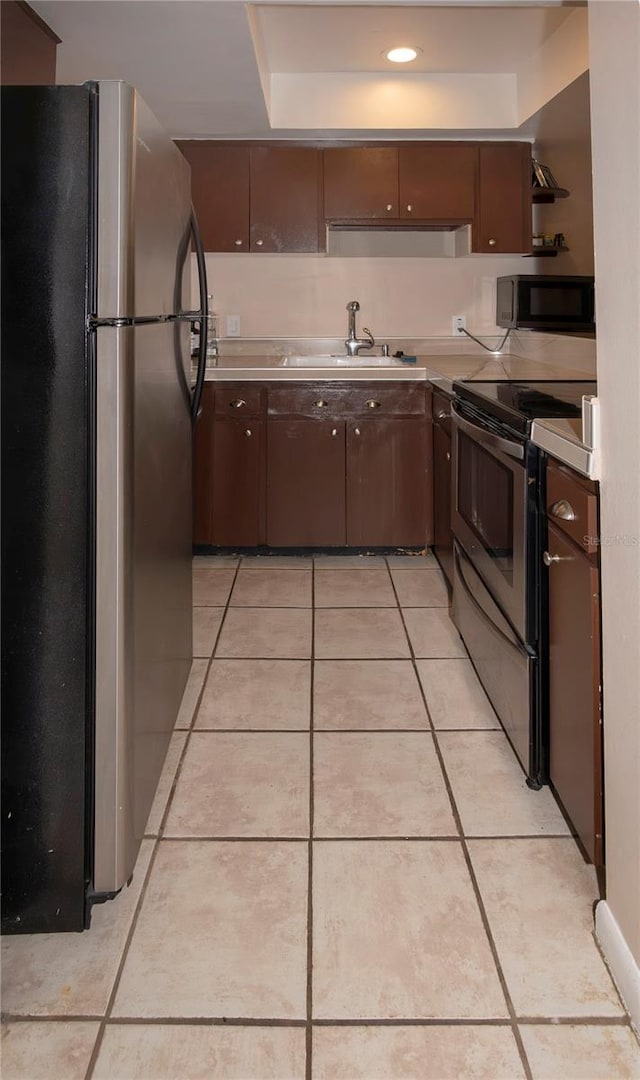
306, 483
236, 483
442, 534
360, 183
285, 198
27, 47
575, 756
220, 193
202, 469
387, 483
438, 181
504, 199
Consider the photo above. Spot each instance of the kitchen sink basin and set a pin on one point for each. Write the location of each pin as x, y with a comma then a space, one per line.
339, 360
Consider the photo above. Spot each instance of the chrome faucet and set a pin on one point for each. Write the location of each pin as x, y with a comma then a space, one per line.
353, 342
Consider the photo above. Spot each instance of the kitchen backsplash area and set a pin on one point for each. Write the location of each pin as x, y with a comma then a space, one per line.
297, 303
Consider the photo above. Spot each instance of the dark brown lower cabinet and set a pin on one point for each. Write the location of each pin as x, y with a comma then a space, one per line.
387, 483
306, 483
236, 482
575, 756
442, 533
202, 469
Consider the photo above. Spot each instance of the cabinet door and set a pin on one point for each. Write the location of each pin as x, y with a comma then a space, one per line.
220, 193
360, 182
438, 182
236, 483
202, 469
285, 198
504, 207
575, 755
306, 483
387, 483
442, 534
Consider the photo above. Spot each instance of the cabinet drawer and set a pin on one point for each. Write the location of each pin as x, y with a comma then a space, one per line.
442, 410
238, 401
324, 401
572, 506
381, 399
312, 401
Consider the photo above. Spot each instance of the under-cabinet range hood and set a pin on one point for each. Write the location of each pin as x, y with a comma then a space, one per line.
445, 242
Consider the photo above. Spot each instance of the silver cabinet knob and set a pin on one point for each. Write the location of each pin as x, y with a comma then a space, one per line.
321, 404
410, 208
356, 431
259, 243
334, 432
563, 509
238, 243
548, 559
248, 433
442, 415
492, 243
371, 404
389, 206
448, 456
238, 403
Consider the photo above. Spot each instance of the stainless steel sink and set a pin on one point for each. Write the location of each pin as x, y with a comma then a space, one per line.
339, 360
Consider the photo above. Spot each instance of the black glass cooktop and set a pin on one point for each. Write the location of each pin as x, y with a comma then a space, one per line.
517, 404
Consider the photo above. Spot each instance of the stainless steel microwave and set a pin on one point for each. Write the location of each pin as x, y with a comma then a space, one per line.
545, 302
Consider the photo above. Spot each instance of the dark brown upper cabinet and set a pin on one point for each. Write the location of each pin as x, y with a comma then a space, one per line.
285, 198
360, 183
504, 199
438, 181
27, 47
220, 189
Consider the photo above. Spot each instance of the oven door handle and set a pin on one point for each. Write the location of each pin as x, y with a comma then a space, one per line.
487, 438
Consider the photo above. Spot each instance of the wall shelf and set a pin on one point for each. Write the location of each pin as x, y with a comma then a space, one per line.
548, 194
546, 251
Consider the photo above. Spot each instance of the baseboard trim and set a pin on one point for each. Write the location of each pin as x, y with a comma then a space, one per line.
622, 965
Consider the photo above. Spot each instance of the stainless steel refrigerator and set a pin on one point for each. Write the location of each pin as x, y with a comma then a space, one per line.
97, 413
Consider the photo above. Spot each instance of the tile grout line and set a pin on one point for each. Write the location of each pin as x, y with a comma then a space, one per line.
465, 851
143, 891
623, 1021
309, 995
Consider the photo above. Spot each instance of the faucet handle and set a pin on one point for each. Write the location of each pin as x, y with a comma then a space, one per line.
353, 305
366, 330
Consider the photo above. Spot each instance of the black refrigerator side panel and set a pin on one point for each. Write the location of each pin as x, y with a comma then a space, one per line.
47, 626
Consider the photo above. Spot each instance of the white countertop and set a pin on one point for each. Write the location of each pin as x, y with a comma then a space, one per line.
563, 440
441, 370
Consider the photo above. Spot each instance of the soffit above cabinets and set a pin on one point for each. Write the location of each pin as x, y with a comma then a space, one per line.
223, 68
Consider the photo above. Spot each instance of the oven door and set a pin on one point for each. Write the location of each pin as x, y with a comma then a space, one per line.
489, 511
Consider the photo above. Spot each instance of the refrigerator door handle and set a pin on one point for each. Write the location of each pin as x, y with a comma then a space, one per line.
202, 318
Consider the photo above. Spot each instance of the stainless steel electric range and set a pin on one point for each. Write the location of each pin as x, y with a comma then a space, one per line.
499, 602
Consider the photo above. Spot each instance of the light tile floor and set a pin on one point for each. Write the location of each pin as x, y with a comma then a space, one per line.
344, 874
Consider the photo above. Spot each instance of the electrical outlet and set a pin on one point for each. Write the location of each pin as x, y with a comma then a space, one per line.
233, 326
458, 325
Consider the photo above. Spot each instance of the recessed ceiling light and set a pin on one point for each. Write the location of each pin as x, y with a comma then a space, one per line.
401, 55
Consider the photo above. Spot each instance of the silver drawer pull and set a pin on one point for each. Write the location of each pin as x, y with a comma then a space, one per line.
248, 433
372, 404
448, 455
443, 415
237, 404
321, 404
563, 509
334, 432
356, 431
548, 559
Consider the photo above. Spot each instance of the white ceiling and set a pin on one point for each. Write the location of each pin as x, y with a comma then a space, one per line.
226, 69
489, 39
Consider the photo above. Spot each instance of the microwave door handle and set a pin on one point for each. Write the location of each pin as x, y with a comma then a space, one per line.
487, 438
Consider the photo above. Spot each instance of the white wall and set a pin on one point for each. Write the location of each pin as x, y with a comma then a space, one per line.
306, 295
614, 32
